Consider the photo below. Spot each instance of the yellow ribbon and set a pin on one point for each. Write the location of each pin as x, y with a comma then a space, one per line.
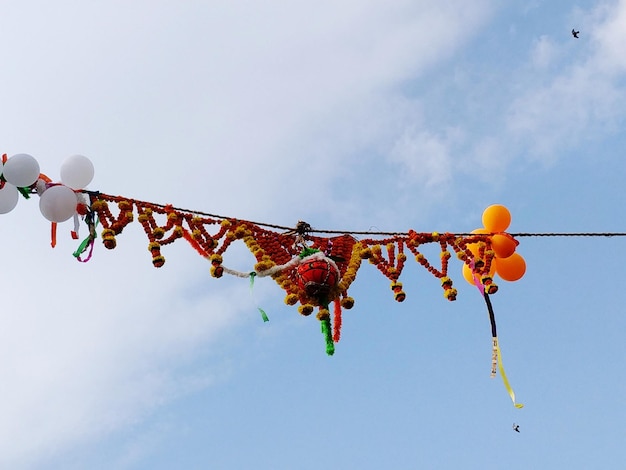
507, 385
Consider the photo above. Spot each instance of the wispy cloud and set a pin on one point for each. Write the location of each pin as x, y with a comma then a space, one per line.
583, 100
555, 95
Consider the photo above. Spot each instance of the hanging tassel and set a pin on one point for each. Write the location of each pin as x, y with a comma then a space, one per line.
196, 246
326, 331
337, 321
263, 314
324, 317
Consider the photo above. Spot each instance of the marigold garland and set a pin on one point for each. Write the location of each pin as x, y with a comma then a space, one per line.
274, 251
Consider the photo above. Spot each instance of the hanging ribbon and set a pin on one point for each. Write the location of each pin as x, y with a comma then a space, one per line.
507, 385
496, 355
496, 358
53, 234
24, 192
263, 314
88, 242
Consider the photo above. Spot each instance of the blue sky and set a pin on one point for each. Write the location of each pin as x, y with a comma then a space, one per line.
367, 115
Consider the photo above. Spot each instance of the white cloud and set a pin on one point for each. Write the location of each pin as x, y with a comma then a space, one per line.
543, 52
97, 348
425, 157
561, 94
572, 109
528, 104
608, 36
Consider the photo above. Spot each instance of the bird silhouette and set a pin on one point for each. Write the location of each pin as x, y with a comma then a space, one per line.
515, 427
575, 33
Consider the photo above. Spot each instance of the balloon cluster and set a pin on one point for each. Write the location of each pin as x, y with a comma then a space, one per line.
58, 201
504, 260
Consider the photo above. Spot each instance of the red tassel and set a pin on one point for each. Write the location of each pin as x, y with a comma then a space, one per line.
196, 246
337, 321
53, 235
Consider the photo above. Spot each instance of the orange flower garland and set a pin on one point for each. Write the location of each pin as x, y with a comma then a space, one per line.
278, 254
272, 249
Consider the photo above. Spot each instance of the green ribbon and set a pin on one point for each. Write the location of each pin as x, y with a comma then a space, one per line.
85, 243
263, 314
24, 192
82, 247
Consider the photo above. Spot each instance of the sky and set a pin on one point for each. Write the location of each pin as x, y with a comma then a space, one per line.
357, 115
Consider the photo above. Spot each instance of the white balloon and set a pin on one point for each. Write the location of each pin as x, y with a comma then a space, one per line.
8, 198
21, 170
58, 203
77, 171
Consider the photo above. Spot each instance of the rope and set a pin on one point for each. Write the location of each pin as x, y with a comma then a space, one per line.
357, 232
572, 234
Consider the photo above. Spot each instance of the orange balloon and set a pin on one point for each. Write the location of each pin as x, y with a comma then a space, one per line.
503, 245
511, 268
496, 218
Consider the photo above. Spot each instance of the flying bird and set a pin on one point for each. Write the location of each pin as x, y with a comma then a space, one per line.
515, 427
575, 33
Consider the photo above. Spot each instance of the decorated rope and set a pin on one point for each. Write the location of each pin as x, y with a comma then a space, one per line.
315, 268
